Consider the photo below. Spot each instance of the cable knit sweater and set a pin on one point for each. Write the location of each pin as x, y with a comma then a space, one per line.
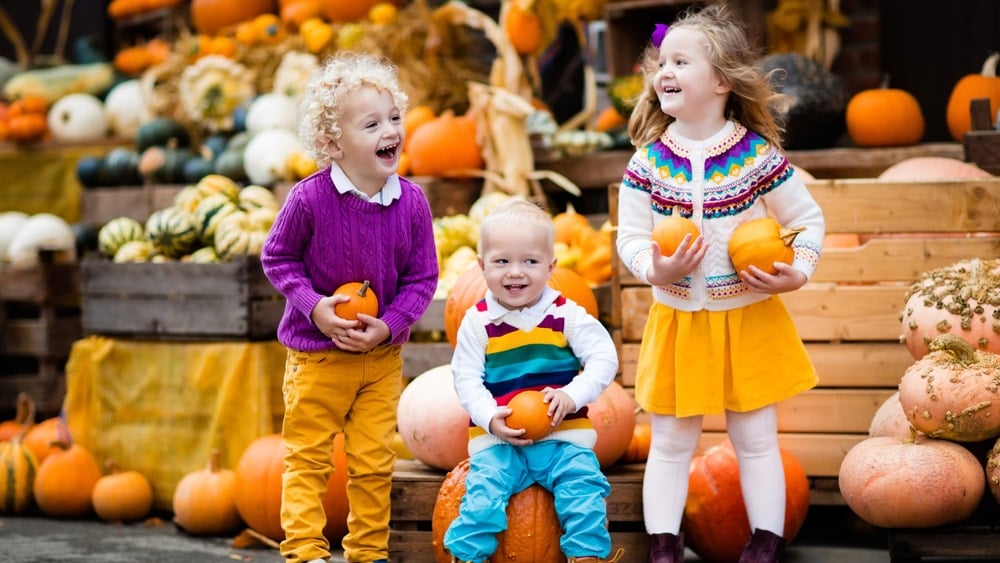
719, 183
322, 239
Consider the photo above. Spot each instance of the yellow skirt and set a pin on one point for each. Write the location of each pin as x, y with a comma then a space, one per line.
705, 362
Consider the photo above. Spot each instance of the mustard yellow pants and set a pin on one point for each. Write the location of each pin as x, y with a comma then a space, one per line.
328, 392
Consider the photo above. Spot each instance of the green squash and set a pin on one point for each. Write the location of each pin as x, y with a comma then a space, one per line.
161, 131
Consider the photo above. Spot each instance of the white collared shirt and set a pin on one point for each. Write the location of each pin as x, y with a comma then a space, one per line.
390, 191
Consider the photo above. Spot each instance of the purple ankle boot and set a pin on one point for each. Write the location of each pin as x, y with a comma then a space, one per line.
666, 548
764, 547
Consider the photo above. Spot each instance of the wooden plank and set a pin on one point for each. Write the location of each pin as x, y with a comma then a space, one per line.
819, 454
419, 357
901, 259
416, 546
873, 206
46, 284
820, 311
839, 364
40, 338
821, 410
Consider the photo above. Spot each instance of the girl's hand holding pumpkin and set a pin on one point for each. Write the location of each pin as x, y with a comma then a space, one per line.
665, 270
787, 279
499, 428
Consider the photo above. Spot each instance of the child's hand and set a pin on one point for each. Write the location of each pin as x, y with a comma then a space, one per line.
371, 332
665, 270
560, 404
499, 428
787, 279
327, 321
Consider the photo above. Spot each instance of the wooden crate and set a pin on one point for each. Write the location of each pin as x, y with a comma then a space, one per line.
224, 301
982, 144
977, 538
848, 314
414, 491
39, 321
100, 205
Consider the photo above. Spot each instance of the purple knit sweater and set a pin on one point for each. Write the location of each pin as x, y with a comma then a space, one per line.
322, 239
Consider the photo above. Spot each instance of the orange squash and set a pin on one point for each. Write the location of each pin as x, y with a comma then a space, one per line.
533, 529
346, 11
523, 27
204, 501
670, 231
884, 117
470, 287
362, 300
916, 482
762, 242
213, 16
986, 84
530, 412
122, 495
65, 481
444, 145
568, 225
715, 523
258, 488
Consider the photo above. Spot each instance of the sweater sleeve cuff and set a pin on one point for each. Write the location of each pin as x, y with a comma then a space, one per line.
306, 302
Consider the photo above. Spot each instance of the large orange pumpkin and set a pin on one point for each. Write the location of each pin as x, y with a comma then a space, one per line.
65, 481
444, 145
715, 523
952, 392
258, 488
213, 16
986, 84
917, 482
884, 117
533, 529
470, 287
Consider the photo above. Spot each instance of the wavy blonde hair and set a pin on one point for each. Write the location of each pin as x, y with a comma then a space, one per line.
750, 97
322, 103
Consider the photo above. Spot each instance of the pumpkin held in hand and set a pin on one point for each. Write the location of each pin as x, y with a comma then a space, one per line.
952, 392
530, 412
362, 300
762, 242
533, 529
715, 522
670, 231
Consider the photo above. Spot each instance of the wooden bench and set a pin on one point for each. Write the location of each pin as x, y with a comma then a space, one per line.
848, 315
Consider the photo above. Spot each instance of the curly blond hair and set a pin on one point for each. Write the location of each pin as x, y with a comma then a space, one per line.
751, 97
322, 102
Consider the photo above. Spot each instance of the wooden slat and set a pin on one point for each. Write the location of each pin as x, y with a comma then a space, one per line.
901, 259
40, 338
819, 454
822, 410
839, 364
820, 311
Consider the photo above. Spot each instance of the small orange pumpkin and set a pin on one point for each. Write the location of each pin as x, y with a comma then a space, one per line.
530, 412
884, 117
122, 496
523, 28
533, 529
568, 225
204, 501
444, 145
347, 11
715, 523
669, 232
638, 446
39, 437
213, 16
762, 242
65, 481
362, 300
986, 84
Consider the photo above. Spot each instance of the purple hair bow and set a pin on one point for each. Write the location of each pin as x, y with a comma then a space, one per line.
659, 32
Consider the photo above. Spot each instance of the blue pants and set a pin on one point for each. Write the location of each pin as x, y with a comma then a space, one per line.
570, 472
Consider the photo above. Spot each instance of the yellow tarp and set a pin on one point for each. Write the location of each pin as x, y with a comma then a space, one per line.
161, 407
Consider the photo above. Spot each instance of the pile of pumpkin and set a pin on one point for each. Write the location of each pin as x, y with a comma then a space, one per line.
211, 221
43, 469
934, 446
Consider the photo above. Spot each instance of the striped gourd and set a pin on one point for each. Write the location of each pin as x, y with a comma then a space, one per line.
204, 255
18, 467
172, 232
134, 251
232, 236
257, 197
209, 213
117, 232
188, 198
262, 219
219, 184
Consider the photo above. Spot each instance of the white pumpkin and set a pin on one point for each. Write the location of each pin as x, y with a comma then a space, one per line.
266, 157
125, 109
42, 231
10, 222
272, 111
77, 118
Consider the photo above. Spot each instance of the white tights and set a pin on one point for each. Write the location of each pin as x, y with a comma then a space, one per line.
762, 477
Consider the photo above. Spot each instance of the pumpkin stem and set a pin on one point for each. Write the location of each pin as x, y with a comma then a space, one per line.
990, 65
788, 235
364, 288
112, 466
214, 460
913, 435
26, 418
884, 85
961, 351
